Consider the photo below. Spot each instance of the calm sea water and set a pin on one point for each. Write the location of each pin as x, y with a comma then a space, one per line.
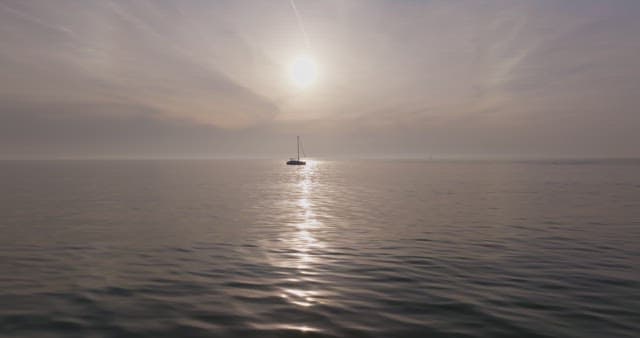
333, 249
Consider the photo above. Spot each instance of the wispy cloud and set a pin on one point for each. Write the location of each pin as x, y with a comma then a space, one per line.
489, 73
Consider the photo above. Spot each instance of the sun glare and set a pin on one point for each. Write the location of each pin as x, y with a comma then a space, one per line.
303, 71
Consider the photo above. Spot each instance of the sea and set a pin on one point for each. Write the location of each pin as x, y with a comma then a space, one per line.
353, 248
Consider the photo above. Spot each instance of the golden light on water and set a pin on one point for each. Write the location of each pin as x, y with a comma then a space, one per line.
303, 71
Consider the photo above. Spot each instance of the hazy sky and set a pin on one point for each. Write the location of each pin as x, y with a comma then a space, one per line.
210, 78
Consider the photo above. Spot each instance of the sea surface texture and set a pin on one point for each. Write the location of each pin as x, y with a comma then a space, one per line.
255, 248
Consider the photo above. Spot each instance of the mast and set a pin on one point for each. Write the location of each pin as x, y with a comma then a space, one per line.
298, 139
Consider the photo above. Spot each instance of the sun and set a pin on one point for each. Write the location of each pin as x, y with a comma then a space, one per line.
303, 71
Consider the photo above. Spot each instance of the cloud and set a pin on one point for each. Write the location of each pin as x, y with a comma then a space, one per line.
122, 58
421, 76
29, 130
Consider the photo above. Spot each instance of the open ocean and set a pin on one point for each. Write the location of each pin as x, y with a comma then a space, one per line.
367, 248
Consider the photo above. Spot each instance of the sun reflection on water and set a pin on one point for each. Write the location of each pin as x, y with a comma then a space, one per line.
303, 239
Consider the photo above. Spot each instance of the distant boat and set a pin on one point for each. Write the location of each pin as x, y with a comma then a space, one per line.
296, 161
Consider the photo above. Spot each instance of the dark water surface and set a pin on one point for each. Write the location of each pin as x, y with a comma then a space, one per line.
334, 249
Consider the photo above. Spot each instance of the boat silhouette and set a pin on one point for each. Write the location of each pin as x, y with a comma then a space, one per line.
296, 161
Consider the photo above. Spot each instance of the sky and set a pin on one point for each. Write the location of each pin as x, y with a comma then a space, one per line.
201, 78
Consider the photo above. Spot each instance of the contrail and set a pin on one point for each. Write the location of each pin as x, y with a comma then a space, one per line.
300, 25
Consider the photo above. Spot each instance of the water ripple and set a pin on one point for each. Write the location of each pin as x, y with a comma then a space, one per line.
334, 249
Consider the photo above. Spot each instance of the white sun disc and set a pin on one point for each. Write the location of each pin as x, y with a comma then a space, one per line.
303, 71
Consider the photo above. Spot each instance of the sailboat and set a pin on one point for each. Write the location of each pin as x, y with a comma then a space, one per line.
296, 161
